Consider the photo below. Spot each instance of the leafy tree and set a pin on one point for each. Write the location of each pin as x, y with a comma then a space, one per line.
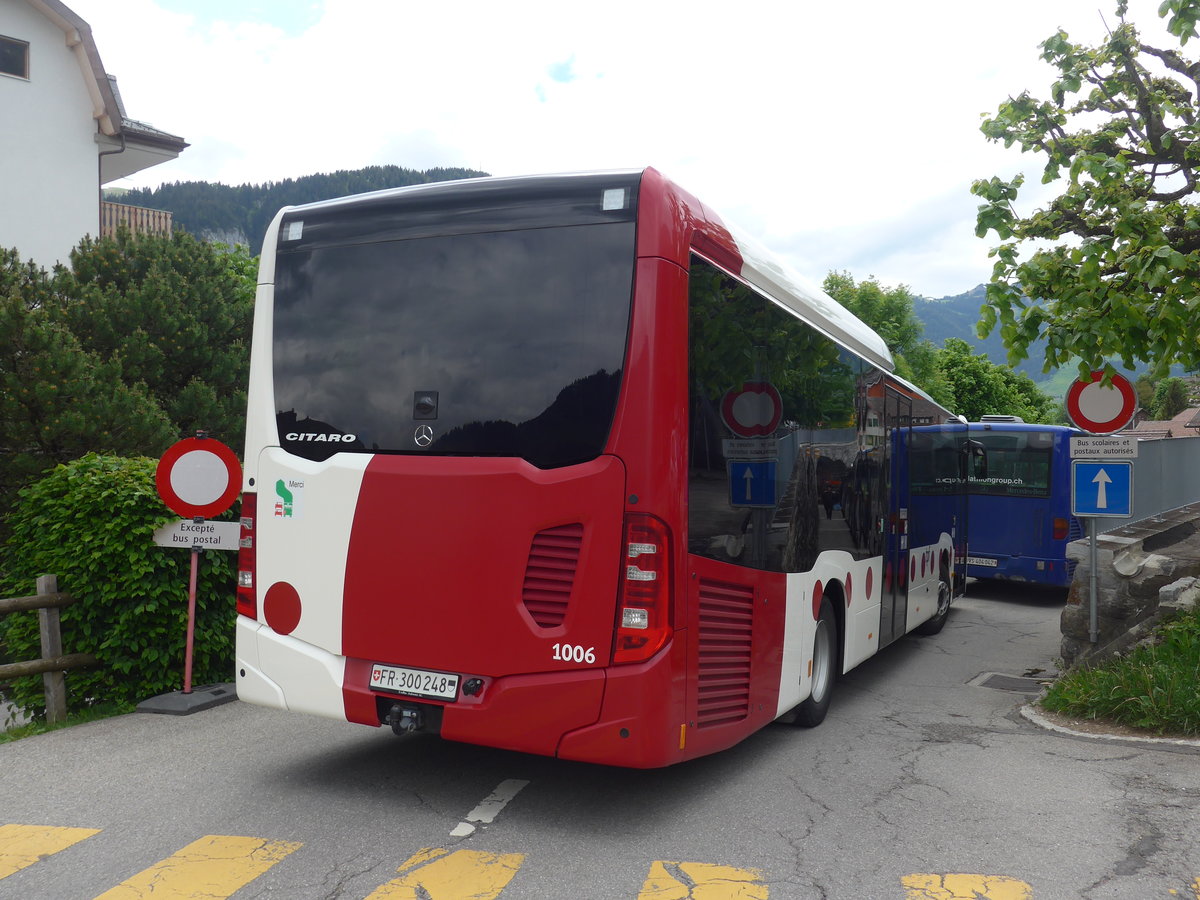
889, 311
57, 399
141, 341
1121, 275
1171, 397
173, 313
979, 387
1144, 388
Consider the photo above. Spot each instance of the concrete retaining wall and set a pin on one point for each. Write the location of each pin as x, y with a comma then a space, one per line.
1144, 571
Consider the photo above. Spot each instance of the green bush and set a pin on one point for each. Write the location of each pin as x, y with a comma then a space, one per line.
1153, 687
91, 523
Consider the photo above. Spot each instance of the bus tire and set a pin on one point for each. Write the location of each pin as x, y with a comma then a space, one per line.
812, 711
944, 593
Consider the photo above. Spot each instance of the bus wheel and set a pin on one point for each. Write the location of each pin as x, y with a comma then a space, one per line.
812, 711
934, 625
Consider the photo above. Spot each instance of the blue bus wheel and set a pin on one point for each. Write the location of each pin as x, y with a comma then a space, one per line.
935, 624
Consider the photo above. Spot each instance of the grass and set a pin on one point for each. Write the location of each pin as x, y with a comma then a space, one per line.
1155, 687
41, 726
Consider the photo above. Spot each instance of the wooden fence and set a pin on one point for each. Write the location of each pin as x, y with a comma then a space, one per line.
48, 601
138, 219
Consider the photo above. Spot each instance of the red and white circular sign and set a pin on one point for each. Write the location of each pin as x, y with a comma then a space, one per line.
198, 477
754, 410
1100, 408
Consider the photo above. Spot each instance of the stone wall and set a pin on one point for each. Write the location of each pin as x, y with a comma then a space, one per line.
1144, 571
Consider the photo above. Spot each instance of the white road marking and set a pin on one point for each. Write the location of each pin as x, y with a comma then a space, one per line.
486, 811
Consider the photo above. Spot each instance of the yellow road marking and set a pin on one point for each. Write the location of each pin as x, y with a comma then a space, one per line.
436, 874
211, 868
701, 881
23, 845
965, 887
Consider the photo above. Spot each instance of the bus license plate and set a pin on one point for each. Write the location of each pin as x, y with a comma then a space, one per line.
981, 561
414, 682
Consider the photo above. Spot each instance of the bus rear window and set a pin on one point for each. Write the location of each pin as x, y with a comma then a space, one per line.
501, 342
1018, 465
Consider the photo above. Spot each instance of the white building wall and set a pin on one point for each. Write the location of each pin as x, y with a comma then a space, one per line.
49, 177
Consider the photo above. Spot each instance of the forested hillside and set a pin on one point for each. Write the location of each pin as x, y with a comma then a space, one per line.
956, 317
240, 215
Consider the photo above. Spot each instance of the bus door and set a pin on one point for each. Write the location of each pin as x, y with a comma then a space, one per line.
893, 613
966, 456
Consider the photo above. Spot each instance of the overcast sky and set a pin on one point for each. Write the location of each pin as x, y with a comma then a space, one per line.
845, 136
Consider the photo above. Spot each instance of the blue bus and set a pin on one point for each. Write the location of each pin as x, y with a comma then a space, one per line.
1019, 503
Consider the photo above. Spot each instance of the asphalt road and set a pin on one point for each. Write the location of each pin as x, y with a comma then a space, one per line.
923, 784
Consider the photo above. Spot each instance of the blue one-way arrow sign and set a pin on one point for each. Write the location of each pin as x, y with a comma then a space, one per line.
1102, 488
752, 482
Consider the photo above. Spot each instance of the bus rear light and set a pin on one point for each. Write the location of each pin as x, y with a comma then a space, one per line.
1061, 529
635, 618
644, 623
247, 599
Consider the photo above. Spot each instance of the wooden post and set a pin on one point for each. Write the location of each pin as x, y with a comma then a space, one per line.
48, 625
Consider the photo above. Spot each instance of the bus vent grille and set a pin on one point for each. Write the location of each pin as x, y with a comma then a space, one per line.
726, 633
550, 573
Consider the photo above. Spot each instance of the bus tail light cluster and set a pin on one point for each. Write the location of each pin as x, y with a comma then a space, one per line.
645, 621
1061, 529
247, 600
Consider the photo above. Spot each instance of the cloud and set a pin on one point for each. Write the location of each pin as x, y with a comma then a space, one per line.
843, 136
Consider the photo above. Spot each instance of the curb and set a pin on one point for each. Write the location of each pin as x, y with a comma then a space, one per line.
1030, 713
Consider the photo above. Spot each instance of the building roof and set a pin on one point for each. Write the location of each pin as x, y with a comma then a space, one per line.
1174, 427
130, 145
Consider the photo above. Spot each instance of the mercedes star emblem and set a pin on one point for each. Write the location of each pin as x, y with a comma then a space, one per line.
423, 436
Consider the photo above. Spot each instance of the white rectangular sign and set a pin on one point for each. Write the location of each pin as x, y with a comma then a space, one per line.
750, 448
207, 535
1109, 446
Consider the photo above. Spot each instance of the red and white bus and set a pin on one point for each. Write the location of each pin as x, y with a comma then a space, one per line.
567, 465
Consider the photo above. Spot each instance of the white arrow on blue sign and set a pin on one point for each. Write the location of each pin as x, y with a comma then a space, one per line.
1101, 488
752, 482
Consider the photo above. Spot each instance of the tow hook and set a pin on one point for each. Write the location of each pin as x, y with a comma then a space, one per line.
404, 719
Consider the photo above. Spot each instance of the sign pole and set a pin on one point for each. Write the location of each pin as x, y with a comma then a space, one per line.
1094, 623
197, 477
191, 622
1102, 410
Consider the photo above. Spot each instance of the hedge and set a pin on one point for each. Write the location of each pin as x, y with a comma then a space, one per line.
91, 523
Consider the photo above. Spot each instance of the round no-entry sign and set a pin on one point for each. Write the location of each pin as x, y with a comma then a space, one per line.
1099, 408
754, 410
198, 477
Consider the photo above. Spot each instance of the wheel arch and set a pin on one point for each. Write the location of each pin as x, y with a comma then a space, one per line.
835, 592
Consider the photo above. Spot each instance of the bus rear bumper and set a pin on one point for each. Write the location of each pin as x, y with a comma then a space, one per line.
1055, 572
260, 650
620, 715
629, 715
